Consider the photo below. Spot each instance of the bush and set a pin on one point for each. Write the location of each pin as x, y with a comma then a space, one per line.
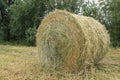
30, 36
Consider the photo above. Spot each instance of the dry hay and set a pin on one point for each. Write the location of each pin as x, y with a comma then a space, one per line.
71, 42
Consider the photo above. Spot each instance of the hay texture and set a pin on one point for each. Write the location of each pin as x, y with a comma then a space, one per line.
71, 42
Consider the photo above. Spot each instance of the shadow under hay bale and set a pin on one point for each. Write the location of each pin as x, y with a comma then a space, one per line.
70, 42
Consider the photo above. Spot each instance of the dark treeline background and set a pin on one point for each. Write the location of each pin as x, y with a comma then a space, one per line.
19, 19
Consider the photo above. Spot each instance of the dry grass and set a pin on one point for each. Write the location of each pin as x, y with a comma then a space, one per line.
70, 42
22, 63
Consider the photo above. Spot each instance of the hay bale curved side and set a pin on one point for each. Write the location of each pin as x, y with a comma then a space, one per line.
70, 42
98, 39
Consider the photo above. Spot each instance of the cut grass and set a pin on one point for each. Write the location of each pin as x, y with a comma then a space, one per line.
22, 63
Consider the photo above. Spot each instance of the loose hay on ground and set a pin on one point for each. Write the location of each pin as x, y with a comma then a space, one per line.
71, 42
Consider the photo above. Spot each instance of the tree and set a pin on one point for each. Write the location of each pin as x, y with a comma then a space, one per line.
26, 15
69, 5
115, 22
4, 19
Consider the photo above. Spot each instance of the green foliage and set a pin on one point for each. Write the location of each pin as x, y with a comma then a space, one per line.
69, 5
1, 33
30, 36
26, 15
115, 22
4, 20
21, 18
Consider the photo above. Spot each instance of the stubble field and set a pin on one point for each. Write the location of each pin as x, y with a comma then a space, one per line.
22, 63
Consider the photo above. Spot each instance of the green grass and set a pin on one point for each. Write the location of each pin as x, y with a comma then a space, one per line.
22, 63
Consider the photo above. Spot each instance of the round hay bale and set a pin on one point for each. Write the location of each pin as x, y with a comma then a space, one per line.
71, 42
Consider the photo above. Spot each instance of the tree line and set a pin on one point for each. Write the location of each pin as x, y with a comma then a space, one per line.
19, 19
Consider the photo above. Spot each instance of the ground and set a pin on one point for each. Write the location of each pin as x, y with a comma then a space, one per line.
22, 63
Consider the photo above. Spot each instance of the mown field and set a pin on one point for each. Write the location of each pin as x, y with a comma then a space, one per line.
22, 63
